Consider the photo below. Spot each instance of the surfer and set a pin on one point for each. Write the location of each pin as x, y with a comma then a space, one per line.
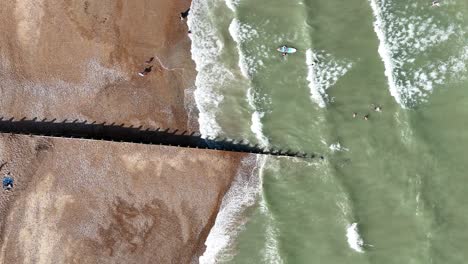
145, 71
285, 50
184, 15
354, 115
366, 117
435, 4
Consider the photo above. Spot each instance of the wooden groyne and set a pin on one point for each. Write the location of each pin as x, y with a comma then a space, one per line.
121, 133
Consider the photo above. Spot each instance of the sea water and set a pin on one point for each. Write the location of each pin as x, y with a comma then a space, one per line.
390, 189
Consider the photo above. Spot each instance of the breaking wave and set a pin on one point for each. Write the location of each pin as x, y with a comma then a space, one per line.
355, 241
271, 248
405, 39
211, 73
242, 194
248, 65
323, 71
240, 33
232, 4
257, 125
335, 147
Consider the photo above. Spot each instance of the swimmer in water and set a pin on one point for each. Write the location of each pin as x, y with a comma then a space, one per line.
377, 108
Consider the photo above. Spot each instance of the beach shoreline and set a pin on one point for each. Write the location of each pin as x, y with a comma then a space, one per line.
80, 60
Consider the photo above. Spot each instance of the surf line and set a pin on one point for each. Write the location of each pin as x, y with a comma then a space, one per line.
239, 33
385, 52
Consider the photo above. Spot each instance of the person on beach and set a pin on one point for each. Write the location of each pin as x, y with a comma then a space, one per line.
150, 60
184, 15
7, 182
145, 71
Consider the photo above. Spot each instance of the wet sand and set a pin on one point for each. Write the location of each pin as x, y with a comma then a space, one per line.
86, 202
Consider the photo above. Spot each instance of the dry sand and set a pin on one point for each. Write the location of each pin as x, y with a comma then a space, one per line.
87, 202
80, 59
142, 204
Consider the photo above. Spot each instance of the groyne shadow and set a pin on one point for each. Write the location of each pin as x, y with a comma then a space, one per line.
80, 129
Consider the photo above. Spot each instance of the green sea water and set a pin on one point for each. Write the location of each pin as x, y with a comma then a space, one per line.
390, 189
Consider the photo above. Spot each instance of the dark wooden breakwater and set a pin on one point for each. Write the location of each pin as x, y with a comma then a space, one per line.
122, 133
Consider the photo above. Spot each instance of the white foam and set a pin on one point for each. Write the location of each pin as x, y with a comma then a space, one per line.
316, 92
271, 247
384, 50
271, 253
234, 31
241, 33
232, 4
355, 241
206, 48
323, 71
242, 194
403, 38
256, 126
337, 147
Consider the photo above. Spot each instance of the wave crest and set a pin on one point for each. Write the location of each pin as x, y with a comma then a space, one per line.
323, 72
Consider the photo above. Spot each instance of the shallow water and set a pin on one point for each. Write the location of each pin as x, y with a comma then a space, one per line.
391, 189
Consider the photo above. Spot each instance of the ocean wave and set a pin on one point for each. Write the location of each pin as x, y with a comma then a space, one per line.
212, 74
232, 4
271, 247
337, 147
248, 65
257, 125
354, 239
323, 71
257, 128
404, 38
242, 194
241, 33
271, 254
